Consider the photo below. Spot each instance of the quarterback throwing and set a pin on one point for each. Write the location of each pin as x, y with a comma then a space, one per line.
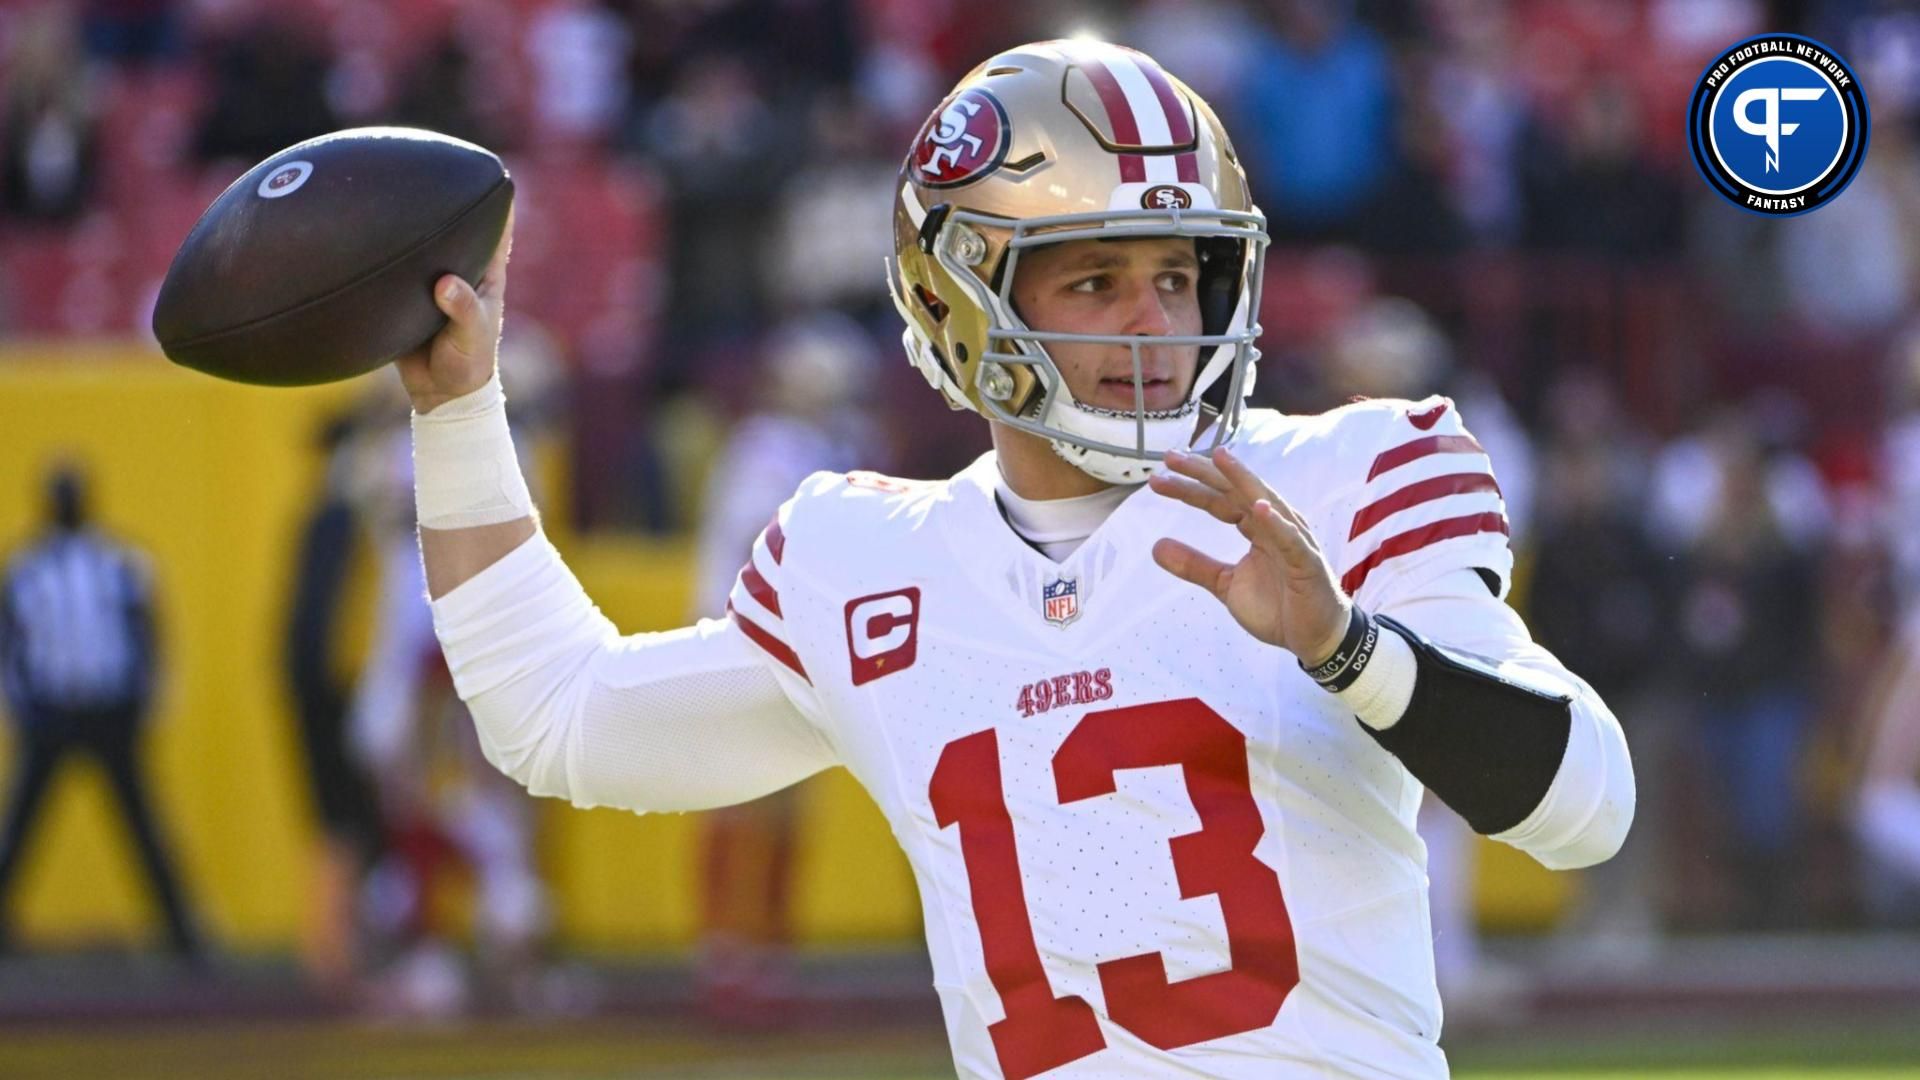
1149, 694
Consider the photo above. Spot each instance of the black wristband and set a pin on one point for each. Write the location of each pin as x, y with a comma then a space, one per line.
1352, 657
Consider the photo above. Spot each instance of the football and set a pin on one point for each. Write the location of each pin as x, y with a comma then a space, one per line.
319, 263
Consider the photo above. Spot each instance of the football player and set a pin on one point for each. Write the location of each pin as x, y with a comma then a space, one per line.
1149, 693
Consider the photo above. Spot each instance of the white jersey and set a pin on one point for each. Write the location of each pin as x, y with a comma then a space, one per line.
1187, 851
1146, 844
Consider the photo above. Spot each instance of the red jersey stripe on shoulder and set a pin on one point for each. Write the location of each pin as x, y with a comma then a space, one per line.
1426, 419
758, 588
774, 646
1419, 448
1407, 543
1416, 493
776, 541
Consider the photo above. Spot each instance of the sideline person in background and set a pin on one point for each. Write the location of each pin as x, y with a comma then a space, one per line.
1886, 810
77, 658
807, 421
344, 800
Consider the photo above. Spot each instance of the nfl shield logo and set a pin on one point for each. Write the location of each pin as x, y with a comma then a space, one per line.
1060, 600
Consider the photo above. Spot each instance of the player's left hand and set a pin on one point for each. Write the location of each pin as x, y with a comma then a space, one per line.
1283, 590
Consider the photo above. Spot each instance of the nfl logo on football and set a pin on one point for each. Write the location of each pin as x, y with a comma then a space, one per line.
1060, 600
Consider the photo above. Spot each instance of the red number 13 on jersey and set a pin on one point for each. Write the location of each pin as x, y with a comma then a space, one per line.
1041, 1031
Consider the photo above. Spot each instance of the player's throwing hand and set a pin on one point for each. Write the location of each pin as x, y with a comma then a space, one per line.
460, 358
1282, 591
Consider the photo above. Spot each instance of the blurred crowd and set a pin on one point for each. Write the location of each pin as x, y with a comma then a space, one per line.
1706, 423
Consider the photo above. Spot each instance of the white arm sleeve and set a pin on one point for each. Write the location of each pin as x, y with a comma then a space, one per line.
687, 719
1584, 817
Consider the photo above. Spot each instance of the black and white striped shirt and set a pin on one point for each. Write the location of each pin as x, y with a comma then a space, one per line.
75, 625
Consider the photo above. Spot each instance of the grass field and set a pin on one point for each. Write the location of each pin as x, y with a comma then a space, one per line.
606, 1050
1884, 1050
80, 1018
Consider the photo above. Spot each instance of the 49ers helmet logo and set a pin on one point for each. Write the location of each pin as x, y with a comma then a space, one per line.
1166, 197
965, 139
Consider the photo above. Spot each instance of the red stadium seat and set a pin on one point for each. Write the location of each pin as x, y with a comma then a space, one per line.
146, 129
67, 283
586, 246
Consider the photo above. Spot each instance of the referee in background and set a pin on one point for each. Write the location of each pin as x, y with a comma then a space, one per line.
77, 667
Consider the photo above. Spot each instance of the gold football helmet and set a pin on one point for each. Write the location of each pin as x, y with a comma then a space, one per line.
1059, 141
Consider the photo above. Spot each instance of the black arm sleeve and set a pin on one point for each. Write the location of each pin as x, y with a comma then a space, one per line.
1487, 746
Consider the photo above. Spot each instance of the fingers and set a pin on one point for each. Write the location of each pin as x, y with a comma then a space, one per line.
1196, 494
1189, 565
1268, 529
1249, 486
1239, 478
454, 297
469, 331
463, 302
1224, 473
1198, 467
459, 302
493, 280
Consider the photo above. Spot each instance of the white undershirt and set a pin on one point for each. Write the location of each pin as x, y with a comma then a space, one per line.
1057, 527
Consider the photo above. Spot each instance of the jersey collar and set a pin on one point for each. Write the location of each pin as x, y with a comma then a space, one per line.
1005, 569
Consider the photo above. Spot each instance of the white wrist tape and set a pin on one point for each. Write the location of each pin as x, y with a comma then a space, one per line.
1379, 697
465, 472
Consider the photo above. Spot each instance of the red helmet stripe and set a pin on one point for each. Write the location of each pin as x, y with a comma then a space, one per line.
1126, 131
1177, 125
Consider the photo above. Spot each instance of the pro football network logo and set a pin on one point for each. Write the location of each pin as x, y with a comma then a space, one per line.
1778, 125
965, 139
882, 633
285, 180
1060, 600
